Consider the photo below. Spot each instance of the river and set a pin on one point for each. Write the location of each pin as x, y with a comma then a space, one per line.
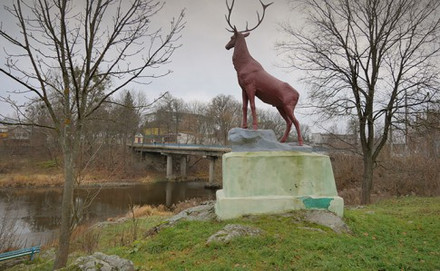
32, 214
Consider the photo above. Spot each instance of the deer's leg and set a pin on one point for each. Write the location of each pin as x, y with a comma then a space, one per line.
291, 116
244, 107
253, 110
288, 123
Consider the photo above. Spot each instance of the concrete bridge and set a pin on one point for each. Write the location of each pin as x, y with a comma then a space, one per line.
181, 152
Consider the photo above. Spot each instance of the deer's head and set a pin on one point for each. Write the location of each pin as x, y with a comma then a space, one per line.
237, 35
244, 33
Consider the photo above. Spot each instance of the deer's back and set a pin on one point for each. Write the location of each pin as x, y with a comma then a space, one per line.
270, 89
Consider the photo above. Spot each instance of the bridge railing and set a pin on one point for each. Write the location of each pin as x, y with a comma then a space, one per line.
179, 145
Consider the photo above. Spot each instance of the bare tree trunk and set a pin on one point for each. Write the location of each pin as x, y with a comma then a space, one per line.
67, 202
367, 179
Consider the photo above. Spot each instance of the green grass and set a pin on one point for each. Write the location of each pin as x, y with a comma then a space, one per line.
397, 234
48, 164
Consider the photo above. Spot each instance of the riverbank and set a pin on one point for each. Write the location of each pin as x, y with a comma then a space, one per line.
399, 233
56, 179
28, 172
36, 168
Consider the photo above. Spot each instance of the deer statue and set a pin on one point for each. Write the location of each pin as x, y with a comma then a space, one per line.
255, 81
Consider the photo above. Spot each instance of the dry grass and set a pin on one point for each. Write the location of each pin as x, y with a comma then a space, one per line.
183, 205
28, 179
148, 210
416, 175
85, 238
102, 177
56, 178
151, 177
138, 211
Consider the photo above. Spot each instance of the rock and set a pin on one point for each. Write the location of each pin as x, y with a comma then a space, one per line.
248, 140
110, 221
204, 212
320, 217
327, 219
232, 231
102, 262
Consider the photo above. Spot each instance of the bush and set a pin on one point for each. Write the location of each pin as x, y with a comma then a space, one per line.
393, 176
9, 239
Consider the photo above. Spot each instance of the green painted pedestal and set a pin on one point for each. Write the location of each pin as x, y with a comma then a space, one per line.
276, 181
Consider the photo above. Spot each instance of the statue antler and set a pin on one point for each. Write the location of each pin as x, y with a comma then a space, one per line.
228, 17
233, 28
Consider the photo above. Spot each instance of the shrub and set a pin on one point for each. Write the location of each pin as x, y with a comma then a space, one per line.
393, 176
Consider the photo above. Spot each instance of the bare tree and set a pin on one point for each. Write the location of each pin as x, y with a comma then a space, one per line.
200, 124
224, 114
127, 122
370, 59
424, 135
62, 53
169, 114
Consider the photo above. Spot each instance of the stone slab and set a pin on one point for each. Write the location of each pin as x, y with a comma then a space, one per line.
233, 207
276, 181
278, 173
248, 140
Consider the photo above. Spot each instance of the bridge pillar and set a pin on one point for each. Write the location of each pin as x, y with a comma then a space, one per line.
212, 160
183, 166
169, 166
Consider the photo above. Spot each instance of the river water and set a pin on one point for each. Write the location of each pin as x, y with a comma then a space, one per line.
33, 213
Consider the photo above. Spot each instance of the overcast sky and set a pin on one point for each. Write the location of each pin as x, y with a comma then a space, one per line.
202, 67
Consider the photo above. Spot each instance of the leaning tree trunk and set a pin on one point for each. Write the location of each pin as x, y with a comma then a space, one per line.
367, 179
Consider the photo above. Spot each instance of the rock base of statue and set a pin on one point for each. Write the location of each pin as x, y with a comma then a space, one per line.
274, 181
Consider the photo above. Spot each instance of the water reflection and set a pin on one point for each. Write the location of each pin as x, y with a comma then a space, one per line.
36, 210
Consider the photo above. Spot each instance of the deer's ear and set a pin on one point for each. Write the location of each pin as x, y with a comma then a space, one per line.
246, 34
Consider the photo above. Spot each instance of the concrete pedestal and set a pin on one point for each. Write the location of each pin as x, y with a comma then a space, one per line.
276, 181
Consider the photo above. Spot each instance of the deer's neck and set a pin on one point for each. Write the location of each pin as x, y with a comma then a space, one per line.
241, 56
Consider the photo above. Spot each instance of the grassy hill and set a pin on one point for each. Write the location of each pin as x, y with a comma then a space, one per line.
395, 234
